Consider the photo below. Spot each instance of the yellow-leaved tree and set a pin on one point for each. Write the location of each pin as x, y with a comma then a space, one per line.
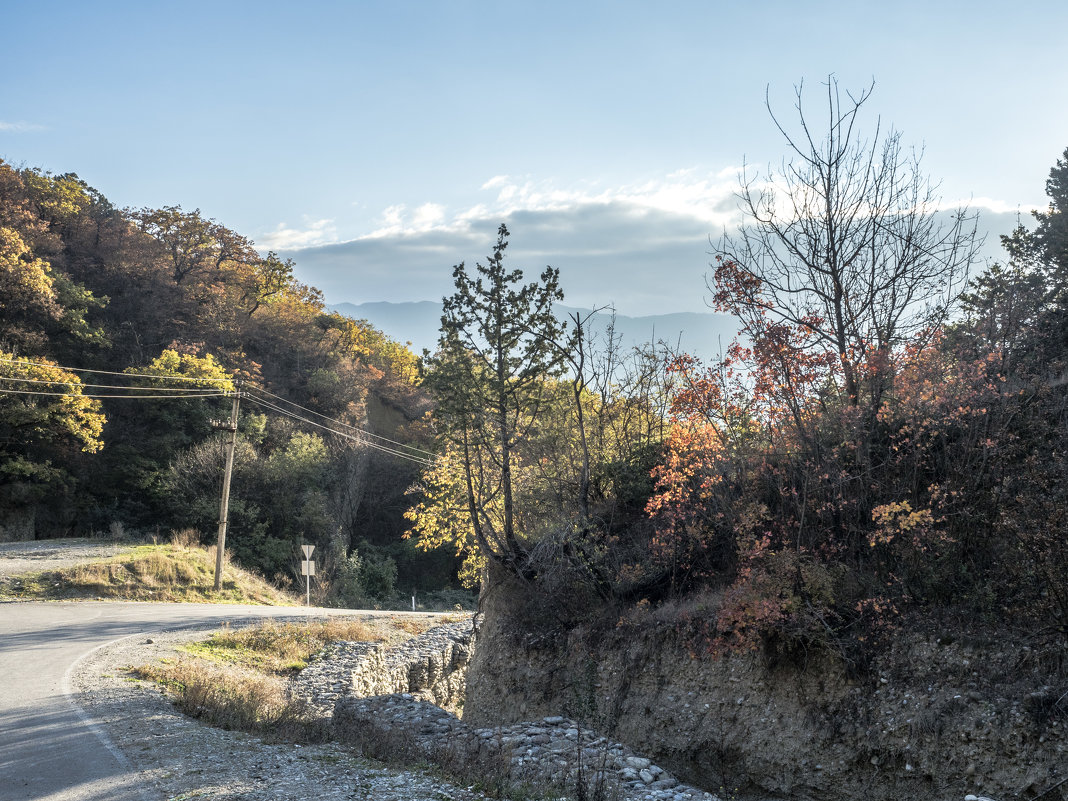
44, 415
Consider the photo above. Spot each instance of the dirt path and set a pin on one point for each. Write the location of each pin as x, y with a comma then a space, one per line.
17, 558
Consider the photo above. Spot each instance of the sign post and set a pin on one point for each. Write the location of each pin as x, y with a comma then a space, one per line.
307, 569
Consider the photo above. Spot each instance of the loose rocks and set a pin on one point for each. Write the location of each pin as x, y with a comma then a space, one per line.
432, 666
552, 752
388, 702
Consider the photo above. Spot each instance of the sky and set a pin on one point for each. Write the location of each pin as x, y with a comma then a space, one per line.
380, 143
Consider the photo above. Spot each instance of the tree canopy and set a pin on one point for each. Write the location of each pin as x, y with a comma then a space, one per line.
161, 310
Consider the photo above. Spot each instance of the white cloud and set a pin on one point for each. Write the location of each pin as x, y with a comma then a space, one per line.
428, 216
495, 181
987, 204
644, 246
20, 127
705, 196
314, 232
398, 220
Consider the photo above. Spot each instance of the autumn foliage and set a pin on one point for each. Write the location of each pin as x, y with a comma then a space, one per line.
872, 446
93, 296
820, 506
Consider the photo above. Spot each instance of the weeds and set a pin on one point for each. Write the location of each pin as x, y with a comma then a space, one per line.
233, 697
236, 679
1047, 706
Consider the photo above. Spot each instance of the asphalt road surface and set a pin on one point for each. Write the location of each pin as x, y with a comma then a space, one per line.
50, 748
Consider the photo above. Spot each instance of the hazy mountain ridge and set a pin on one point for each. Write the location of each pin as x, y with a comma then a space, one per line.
417, 322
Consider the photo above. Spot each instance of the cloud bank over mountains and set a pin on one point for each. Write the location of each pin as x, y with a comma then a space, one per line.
645, 248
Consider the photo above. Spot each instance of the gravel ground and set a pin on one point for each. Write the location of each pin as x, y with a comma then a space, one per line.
17, 558
181, 759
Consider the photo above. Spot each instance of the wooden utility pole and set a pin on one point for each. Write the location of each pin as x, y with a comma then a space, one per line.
224, 505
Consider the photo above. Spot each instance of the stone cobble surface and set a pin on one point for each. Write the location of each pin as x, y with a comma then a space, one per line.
431, 666
552, 752
182, 758
393, 704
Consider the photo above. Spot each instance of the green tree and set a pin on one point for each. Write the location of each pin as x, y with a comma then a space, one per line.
27, 293
144, 436
44, 417
1052, 231
1020, 308
265, 279
498, 346
192, 245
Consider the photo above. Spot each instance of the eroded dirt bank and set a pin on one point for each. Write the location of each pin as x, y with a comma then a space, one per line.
933, 717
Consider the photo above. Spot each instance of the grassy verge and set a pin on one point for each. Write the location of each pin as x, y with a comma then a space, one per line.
149, 573
281, 649
233, 697
236, 679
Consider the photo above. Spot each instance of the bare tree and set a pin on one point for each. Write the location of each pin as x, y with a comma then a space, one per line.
846, 242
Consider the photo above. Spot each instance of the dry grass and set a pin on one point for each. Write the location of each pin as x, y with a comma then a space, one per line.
417, 625
154, 573
279, 649
234, 697
236, 679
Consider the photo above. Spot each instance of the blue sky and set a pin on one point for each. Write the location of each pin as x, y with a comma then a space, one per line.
379, 143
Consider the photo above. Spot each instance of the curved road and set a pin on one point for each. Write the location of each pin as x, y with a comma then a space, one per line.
50, 750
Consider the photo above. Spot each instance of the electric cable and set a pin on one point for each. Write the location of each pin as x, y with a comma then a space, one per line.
355, 437
126, 397
345, 434
112, 372
339, 422
357, 434
189, 390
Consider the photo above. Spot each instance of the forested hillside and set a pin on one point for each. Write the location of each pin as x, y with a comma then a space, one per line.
887, 438
889, 434
122, 331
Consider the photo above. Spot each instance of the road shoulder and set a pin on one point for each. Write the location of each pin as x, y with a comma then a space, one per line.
182, 758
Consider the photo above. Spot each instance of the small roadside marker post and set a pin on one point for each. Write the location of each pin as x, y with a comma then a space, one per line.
307, 569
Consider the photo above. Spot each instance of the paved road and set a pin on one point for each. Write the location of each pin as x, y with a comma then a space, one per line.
50, 750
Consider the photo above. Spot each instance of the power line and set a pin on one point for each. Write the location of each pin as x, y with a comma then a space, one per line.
354, 437
107, 386
341, 423
128, 397
344, 434
112, 372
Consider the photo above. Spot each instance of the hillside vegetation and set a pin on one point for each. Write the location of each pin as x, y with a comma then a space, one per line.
124, 334
885, 443
886, 438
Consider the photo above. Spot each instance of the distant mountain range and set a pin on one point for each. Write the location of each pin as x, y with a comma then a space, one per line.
704, 335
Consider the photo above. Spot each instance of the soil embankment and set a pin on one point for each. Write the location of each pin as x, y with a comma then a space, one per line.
933, 717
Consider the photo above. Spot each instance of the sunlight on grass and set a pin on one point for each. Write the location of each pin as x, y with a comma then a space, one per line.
232, 697
236, 678
284, 648
152, 573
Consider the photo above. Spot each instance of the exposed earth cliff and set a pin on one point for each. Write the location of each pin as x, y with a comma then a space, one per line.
932, 717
